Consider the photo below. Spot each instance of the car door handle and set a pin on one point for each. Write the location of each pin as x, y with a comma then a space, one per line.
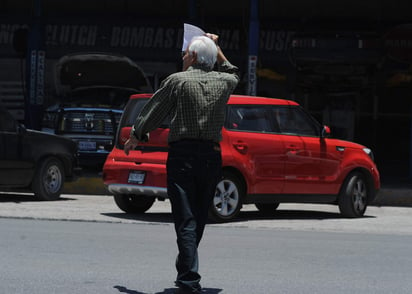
241, 147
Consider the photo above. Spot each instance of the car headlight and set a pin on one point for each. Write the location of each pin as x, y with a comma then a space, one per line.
369, 152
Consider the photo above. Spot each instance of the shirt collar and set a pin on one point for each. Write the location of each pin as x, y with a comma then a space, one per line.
199, 66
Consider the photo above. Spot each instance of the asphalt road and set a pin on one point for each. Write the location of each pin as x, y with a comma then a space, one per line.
41, 256
85, 244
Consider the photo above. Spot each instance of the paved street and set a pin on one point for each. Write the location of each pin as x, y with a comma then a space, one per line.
42, 256
85, 244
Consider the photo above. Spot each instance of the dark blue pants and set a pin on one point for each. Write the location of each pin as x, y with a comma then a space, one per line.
193, 170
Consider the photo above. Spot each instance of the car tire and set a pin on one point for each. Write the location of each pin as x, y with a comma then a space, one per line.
48, 179
267, 208
227, 201
353, 197
134, 203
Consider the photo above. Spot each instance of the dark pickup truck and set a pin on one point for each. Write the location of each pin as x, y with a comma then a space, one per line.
34, 161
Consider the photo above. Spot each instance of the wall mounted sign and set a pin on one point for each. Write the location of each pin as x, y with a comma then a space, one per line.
398, 43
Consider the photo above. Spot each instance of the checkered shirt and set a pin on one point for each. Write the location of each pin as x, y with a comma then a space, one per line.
195, 99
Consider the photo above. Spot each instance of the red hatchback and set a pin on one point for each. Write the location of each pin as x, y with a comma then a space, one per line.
273, 151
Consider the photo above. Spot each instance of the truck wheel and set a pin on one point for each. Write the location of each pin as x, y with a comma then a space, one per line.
48, 179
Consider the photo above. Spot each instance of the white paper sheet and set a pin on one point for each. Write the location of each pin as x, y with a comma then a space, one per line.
190, 31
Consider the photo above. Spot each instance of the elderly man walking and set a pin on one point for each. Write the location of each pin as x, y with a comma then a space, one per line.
195, 100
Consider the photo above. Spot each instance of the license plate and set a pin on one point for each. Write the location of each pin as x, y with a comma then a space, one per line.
87, 145
136, 177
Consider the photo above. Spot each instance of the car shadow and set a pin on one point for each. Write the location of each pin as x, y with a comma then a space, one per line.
123, 289
285, 214
25, 197
282, 215
166, 217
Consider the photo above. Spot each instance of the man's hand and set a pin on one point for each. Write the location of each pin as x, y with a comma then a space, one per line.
220, 56
130, 144
214, 37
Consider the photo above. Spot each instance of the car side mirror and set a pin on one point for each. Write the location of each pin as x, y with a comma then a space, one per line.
325, 133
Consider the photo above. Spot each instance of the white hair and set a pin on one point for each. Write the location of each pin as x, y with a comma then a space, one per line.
205, 49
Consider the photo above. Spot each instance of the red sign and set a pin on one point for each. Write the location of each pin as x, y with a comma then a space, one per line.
398, 43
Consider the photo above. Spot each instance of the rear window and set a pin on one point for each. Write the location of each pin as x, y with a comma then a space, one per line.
132, 110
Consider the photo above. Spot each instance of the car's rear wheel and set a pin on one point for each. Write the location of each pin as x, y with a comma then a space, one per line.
134, 203
353, 197
227, 201
267, 208
48, 179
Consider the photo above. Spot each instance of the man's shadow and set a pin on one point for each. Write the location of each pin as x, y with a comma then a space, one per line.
123, 289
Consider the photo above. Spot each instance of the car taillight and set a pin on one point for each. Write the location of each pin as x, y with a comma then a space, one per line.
124, 135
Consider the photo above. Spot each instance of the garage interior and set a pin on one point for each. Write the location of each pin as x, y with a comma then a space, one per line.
349, 64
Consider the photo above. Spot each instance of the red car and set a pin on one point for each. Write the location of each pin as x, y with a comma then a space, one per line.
273, 151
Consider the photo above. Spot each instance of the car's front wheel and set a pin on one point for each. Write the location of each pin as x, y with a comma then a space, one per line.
353, 197
227, 201
133, 203
48, 179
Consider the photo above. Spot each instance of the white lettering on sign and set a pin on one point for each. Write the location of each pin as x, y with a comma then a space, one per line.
33, 62
275, 40
37, 71
41, 56
7, 32
147, 37
143, 37
229, 39
251, 87
63, 35
398, 43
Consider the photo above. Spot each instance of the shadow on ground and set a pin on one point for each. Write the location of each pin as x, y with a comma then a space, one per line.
244, 216
123, 289
26, 197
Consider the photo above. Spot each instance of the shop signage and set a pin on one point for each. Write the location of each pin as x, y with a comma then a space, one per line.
135, 40
398, 43
251, 85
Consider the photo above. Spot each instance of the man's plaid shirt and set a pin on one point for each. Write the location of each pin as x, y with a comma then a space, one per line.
195, 99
